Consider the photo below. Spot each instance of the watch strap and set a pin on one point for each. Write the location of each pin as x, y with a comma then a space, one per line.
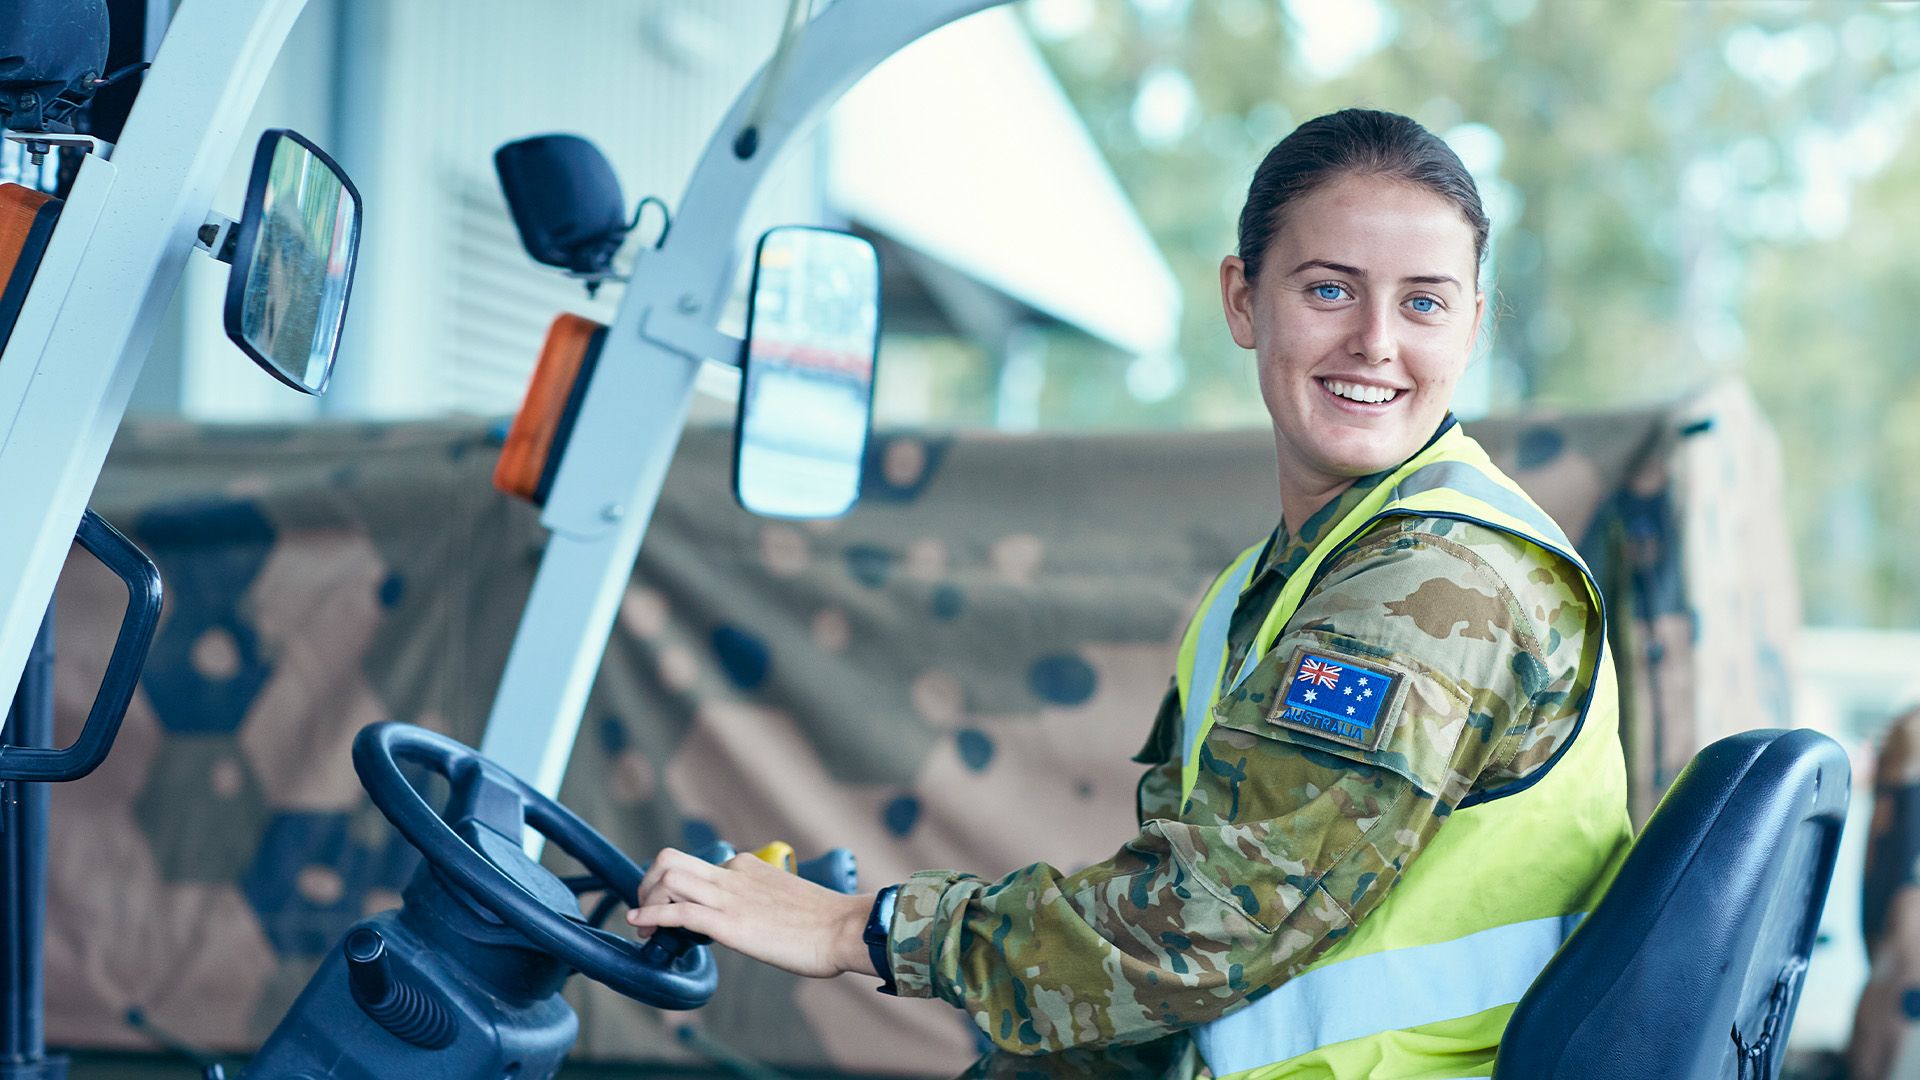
879, 919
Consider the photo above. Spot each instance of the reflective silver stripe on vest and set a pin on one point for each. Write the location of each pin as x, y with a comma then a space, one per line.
1209, 654
1473, 483
1387, 991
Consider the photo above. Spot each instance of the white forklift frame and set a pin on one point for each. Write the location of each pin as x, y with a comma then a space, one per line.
121, 245
119, 250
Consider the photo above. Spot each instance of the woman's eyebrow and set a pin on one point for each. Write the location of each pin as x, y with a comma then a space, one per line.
1338, 268
1354, 271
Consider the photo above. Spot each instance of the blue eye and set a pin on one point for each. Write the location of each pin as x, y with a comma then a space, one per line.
1328, 292
1425, 305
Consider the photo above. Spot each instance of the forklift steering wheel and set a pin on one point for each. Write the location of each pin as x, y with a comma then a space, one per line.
491, 807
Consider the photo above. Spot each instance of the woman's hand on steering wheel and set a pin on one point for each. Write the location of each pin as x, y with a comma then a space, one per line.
757, 909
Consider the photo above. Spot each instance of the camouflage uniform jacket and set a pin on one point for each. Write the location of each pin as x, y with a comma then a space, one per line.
1282, 842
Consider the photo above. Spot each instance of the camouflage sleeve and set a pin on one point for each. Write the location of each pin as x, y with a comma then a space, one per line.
1170, 1057
1289, 838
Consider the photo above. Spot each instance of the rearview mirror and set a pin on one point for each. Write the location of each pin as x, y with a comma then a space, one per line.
293, 257
806, 389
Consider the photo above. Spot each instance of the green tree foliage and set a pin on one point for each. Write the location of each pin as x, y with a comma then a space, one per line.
1680, 189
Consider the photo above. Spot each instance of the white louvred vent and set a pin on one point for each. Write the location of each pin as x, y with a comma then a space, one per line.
498, 304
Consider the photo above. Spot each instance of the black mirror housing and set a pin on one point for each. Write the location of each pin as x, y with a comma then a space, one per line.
294, 251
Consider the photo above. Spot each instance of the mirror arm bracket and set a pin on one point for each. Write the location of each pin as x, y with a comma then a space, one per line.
216, 236
692, 338
41, 143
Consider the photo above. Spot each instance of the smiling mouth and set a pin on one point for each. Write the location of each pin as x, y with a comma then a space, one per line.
1359, 393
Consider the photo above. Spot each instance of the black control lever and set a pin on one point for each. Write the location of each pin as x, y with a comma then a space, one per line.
390, 1000
835, 870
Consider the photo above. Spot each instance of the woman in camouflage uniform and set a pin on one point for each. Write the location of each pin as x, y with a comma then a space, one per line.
1328, 881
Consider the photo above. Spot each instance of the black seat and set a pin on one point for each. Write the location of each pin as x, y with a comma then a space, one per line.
1691, 964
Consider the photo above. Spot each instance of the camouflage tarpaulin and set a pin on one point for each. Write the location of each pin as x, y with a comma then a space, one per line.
1682, 514
955, 676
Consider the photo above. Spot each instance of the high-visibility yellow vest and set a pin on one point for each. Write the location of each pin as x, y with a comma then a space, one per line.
1422, 987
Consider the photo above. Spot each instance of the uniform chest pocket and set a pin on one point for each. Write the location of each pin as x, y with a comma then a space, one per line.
1332, 695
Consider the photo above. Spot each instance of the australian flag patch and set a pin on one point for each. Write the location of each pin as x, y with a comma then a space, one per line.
1338, 698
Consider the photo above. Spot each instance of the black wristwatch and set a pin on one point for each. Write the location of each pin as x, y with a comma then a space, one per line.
875, 935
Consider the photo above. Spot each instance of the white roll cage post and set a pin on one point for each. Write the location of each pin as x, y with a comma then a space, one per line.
116, 255
636, 405
120, 248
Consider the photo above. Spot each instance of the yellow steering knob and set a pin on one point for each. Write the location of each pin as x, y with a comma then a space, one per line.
779, 853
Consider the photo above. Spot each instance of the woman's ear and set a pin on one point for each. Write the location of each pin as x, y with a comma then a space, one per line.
1236, 300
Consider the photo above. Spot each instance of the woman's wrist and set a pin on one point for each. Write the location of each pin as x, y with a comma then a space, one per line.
850, 946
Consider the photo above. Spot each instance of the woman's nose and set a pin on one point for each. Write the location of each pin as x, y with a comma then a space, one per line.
1373, 340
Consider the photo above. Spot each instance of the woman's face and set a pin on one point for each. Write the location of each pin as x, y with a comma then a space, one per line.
1362, 320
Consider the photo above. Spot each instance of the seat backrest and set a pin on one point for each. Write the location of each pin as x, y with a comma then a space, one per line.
1691, 964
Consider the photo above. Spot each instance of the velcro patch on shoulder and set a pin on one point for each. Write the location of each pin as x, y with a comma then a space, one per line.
1338, 696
